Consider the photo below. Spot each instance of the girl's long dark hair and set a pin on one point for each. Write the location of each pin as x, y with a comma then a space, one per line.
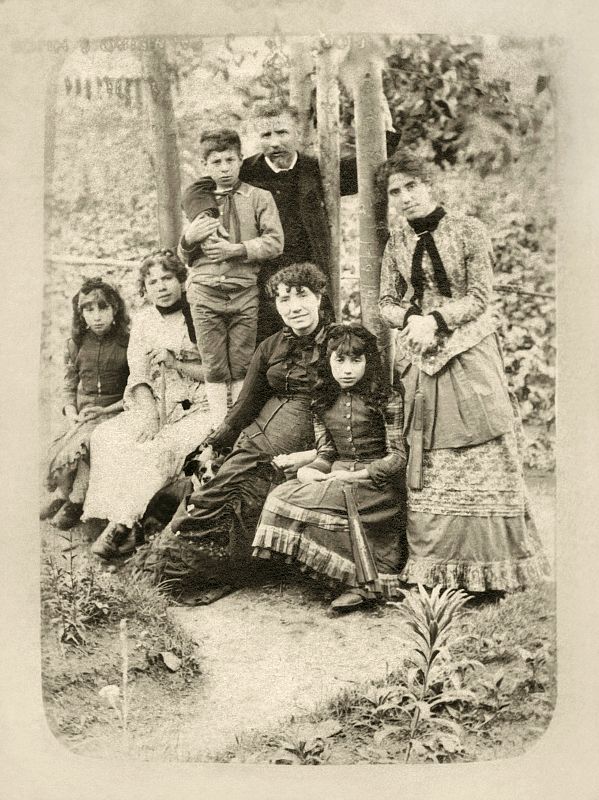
355, 340
113, 299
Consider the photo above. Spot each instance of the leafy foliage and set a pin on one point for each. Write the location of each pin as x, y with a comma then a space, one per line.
431, 682
491, 690
441, 97
78, 596
445, 100
74, 596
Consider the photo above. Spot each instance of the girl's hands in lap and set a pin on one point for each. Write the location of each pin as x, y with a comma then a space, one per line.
310, 475
343, 475
291, 462
89, 412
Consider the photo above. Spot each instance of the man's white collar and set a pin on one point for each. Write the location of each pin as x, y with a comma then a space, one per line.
281, 169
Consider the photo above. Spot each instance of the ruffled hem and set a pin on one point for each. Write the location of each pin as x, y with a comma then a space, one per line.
315, 558
65, 466
67, 450
477, 577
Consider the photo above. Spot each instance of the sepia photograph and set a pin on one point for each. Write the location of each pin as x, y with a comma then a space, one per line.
299, 408
297, 400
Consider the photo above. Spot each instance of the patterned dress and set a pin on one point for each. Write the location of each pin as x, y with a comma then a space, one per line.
308, 522
125, 474
470, 525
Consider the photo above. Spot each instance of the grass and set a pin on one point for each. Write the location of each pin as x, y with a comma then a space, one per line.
76, 667
514, 685
503, 655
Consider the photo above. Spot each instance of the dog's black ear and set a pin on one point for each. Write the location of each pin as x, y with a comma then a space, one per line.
190, 466
193, 456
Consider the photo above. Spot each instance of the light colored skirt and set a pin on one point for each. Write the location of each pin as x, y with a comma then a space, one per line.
470, 526
126, 474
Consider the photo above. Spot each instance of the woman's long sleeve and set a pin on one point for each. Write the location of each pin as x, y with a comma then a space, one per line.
326, 453
254, 394
137, 356
384, 469
392, 303
478, 268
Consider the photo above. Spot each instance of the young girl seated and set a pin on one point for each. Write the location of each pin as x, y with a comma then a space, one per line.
357, 423
95, 378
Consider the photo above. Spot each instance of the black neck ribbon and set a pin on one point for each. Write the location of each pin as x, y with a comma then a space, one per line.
183, 306
424, 228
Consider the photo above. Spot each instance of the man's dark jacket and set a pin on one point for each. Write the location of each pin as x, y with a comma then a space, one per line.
311, 195
310, 200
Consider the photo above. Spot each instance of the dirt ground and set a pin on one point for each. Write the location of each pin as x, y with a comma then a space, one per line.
266, 653
269, 655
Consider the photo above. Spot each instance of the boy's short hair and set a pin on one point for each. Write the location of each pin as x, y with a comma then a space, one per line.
275, 109
219, 139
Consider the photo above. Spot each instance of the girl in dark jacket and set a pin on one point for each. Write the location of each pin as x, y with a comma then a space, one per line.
95, 377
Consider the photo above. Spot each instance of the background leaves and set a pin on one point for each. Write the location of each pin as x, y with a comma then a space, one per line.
481, 109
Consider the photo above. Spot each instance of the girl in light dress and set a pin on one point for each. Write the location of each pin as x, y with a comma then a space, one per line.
140, 452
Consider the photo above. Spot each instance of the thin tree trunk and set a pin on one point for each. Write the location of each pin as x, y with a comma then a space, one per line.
164, 140
365, 69
327, 109
300, 87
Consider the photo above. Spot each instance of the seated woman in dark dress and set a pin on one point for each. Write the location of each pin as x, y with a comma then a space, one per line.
270, 419
357, 423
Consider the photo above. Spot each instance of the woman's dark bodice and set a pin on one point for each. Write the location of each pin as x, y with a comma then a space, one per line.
283, 366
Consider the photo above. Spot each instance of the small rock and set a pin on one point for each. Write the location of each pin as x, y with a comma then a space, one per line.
171, 661
110, 695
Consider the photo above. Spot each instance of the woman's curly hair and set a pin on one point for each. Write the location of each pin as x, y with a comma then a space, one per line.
168, 260
354, 340
296, 275
103, 292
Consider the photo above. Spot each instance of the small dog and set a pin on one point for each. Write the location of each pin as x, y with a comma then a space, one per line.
199, 468
202, 465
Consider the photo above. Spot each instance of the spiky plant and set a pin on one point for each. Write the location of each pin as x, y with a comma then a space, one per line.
429, 620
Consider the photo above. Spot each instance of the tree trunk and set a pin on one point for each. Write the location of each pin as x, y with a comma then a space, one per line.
327, 110
365, 70
300, 87
164, 145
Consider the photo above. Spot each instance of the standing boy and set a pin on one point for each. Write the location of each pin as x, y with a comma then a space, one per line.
244, 231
